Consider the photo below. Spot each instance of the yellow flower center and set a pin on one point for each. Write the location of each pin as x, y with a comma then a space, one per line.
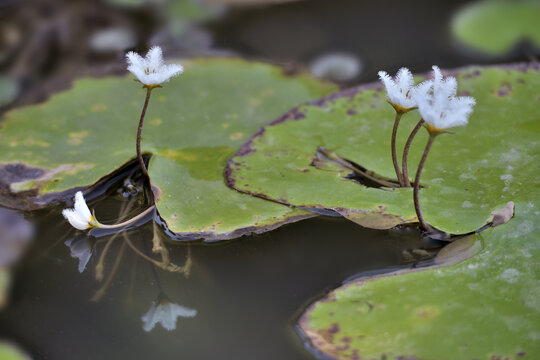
433, 129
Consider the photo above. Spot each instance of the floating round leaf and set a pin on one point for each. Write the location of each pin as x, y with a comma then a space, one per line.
192, 127
469, 174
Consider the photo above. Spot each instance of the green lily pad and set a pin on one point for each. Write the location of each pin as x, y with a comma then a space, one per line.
487, 307
467, 175
495, 27
192, 126
9, 351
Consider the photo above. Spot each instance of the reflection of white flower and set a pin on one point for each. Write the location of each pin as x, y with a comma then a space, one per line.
440, 107
80, 217
165, 312
400, 90
151, 70
81, 249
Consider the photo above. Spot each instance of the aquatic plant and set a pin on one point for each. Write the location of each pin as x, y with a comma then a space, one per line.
152, 72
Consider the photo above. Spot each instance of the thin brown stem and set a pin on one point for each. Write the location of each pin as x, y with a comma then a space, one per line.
423, 223
139, 131
404, 166
393, 145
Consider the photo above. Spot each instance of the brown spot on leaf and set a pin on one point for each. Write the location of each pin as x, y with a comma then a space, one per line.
504, 90
472, 74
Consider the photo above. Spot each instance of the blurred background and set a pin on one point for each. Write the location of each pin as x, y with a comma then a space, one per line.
44, 44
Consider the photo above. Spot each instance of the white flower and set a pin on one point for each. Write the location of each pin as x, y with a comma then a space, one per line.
151, 70
165, 313
400, 91
439, 106
80, 217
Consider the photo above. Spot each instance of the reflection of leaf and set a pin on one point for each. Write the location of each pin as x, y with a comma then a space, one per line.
467, 175
495, 27
192, 126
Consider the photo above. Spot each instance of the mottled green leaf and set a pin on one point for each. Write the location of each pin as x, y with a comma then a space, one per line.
487, 307
193, 124
495, 27
467, 175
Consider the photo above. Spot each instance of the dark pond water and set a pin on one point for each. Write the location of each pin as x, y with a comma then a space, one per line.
247, 293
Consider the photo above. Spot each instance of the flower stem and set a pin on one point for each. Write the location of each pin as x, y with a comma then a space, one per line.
394, 153
423, 223
406, 181
128, 222
139, 131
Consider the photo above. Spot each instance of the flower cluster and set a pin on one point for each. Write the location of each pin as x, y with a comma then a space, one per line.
435, 99
440, 109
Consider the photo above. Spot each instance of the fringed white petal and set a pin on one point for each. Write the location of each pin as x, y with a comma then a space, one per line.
151, 70
438, 104
399, 91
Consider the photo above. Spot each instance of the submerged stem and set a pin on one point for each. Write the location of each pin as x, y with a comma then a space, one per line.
404, 166
139, 131
101, 263
168, 267
101, 292
423, 223
393, 145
